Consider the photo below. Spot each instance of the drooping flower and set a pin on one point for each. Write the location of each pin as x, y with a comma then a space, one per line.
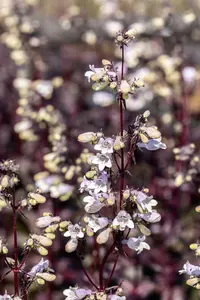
76, 293
96, 223
152, 145
45, 221
123, 220
137, 244
144, 202
190, 269
102, 160
93, 203
40, 267
151, 217
117, 297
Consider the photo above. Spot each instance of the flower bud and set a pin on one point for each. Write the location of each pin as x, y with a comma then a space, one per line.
103, 236
87, 137
47, 276
42, 251
40, 281
193, 246
37, 197
71, 245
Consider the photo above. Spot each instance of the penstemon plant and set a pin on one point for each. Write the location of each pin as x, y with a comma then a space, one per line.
41, 272
115, 213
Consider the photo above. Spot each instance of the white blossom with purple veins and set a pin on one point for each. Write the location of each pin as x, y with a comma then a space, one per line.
76, 293
97, 223
102, 160
93, 71
40, 267
100, 184
74, 231
5, 297
152, 145
86, 185
123, 220
190, 270
151, 217
105, 145
93, 203
144, 201
137, 244
117, 297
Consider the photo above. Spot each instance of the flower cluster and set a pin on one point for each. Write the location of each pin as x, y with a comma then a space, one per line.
187, 156
40, 273
109, 76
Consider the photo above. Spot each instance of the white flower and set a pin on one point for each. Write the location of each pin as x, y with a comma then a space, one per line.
86, 185
76, 293
102, 98
102, 160
189, 75
122, 220
151, 217
105, 145
93, 203
190, 270
40, 267
74, 231
97, 223
60, 189
46, 221
44, 88
5, 297
117, 297
44, 184
93, 71
100, 184
137, 244
144, 201
152, 145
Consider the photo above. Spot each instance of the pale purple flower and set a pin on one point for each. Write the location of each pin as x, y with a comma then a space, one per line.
96, 223
105, 145
137, 244
117, 297
102, 160
152, 145
123, 220
100, 184
93, 71
86, 185
76, 293
74, 231
39, 268
151, 217
190, 269
93, 203
144, 201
